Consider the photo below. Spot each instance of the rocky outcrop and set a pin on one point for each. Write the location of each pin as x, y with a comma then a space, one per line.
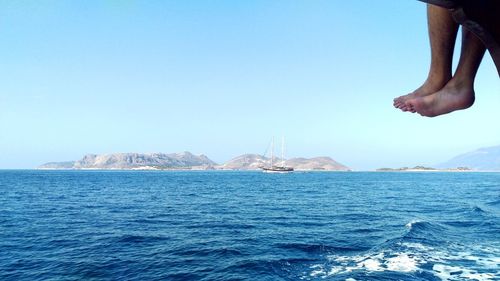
316, 164
185, 160
255, 161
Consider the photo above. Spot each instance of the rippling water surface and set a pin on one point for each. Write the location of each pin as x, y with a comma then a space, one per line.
101, 225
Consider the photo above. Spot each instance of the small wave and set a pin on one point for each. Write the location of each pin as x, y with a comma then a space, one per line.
419, 225
316, 248
149, 221
140, 239
477, 209
495, 203
366, 230
220, 225
463, 223
215, 252
262, 265
424, 230
412, 223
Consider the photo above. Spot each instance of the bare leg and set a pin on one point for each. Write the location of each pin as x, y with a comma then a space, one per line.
458, 93
442, 34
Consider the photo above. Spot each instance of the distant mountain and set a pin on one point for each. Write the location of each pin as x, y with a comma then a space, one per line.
483, 159
255, 161
185, 160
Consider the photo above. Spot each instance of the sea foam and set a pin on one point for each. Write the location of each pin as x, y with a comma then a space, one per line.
416, 257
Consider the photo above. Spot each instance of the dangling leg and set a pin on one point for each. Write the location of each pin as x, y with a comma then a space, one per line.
458, 93
442, 34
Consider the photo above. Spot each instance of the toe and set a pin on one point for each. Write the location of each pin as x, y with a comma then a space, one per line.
409, 107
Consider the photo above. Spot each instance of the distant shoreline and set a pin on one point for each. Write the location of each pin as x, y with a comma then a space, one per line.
173, 169
299, 171
424, 169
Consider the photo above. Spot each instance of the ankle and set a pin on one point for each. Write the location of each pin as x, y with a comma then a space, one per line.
459, 83
437, 81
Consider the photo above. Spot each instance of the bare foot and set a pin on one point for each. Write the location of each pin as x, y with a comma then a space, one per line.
428, 88
453, 96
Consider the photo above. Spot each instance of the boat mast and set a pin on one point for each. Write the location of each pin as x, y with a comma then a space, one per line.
283, 151
272, 152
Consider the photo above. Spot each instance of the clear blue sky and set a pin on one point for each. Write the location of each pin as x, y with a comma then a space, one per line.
221, 77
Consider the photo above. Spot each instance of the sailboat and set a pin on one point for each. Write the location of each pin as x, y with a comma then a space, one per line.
279, 167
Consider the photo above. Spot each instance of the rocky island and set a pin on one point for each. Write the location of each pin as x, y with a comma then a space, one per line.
137, 161
255, 161
423, 169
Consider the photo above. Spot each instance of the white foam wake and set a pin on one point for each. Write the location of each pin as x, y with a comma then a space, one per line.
456, 263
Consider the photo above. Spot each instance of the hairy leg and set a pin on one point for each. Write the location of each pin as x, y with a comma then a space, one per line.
442, 34
458, 93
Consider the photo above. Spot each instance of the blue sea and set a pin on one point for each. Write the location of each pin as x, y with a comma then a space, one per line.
163, 225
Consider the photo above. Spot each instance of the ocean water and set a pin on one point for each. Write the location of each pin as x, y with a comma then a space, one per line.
118, 225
